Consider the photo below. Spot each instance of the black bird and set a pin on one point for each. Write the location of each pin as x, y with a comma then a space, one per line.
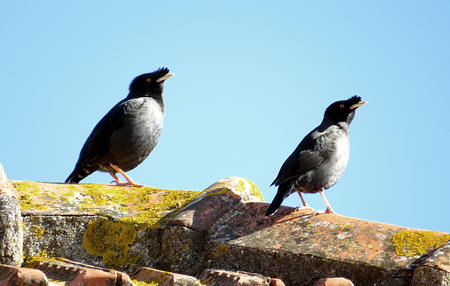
127, 134
320, 158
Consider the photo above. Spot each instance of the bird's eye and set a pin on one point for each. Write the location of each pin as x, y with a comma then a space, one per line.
148, 79
342, 105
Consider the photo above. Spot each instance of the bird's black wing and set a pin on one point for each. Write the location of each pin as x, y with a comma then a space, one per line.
304, 159
97, 144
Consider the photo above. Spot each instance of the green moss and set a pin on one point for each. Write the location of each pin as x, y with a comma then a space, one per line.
414, 242
111, 240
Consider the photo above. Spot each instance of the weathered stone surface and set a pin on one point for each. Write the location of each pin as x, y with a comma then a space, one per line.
217, 277
337, 281
127, 204
439, 259
11, 234
112, 226
147, 247
295, 246
18, 276
58, 236
425, 276
215, 201
182, 250
125, 228
434, 268
163, 278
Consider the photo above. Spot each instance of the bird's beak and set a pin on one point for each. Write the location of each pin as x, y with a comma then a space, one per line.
359, 104
167, 76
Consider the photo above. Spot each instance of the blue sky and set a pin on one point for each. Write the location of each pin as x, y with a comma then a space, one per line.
252, 78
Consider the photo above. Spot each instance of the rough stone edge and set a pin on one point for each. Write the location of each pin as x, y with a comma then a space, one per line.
235, 189
11, 238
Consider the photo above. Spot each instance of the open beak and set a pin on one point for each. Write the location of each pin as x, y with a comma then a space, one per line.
167, 76
359, 104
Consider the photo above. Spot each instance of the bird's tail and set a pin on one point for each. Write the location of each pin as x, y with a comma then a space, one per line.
284, 190
79, 173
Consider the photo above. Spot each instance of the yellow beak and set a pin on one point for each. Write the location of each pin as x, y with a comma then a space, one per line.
359, 104
167, 76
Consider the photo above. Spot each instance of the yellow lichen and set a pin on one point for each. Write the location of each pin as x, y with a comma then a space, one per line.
142, 283
42, 256
26, 190
37, 231
344, 226
222, 187
220, 250
139, 205
111, 240
153, 205
256, 191
414, 242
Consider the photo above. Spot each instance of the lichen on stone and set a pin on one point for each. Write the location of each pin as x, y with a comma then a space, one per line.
344, 226
111, 240
38, 231
142, 283
244, 188
220, 250
135, 205
415, 242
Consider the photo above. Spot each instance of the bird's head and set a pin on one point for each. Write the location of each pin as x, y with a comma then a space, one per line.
344, 110
151, 83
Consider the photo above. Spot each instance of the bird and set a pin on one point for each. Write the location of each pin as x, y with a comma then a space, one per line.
321, 157
128, 133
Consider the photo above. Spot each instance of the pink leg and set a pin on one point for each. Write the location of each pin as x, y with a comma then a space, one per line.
129, 182
116, 179
329, 210
304, 203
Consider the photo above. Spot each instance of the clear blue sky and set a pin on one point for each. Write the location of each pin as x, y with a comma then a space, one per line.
252, 78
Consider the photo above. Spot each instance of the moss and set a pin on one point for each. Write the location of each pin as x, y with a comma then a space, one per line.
414, 243
220, 250
111, 240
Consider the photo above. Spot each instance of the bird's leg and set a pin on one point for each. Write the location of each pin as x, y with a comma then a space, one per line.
129, 182
116, 179
304, 203
329, 210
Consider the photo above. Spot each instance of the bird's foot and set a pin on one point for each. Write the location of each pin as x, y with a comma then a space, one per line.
126, 184
304, 208
327, 211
